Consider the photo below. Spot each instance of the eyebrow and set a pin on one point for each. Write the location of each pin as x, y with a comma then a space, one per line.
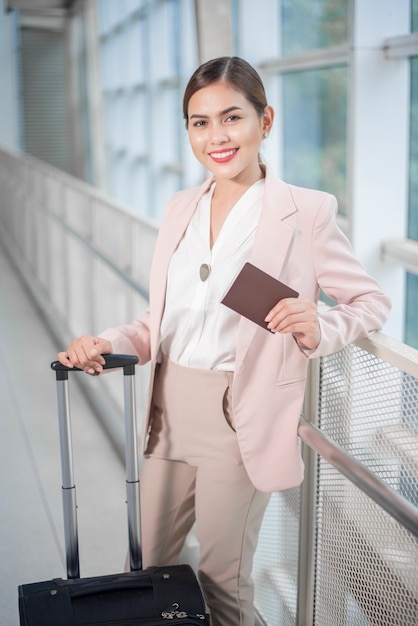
224, 112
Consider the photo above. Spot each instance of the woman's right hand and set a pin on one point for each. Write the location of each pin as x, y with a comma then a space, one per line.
86, 354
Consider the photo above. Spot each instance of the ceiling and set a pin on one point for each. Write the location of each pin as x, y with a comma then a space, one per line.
45, 14
39, 7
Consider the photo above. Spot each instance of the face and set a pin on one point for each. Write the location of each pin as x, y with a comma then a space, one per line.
226, 132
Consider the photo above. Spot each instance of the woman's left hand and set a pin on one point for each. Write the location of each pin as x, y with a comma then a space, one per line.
296, 316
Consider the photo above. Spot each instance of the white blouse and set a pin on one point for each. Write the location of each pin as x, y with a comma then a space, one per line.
196, 329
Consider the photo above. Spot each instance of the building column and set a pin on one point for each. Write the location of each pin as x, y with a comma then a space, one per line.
378, 144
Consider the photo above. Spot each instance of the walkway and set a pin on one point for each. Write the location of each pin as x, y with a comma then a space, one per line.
31, 527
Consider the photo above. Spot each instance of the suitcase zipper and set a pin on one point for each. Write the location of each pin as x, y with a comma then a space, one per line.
173, 612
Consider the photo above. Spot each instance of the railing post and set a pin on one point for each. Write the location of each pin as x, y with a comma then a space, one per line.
307, 523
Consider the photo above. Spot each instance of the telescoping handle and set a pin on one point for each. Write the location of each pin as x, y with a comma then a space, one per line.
127, 362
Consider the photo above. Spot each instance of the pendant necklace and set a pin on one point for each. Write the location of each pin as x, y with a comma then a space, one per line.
204, 271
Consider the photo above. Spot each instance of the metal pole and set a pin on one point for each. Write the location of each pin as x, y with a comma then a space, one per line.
307, 524
132, 469
68, 486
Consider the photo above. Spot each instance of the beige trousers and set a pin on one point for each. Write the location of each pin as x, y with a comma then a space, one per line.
193, 471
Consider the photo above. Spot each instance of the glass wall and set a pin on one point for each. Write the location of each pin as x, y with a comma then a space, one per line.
309, 92
148, 50
314, 109
313, 24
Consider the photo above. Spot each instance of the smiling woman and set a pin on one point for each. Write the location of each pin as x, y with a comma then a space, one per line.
225, 395
225, 133
227, 117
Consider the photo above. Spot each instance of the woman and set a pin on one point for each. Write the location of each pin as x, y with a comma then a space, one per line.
226, 395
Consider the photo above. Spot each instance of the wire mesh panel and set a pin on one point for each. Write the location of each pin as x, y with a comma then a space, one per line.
366, 563
276, 560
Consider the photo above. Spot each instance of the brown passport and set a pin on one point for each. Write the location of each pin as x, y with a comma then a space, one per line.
254, 293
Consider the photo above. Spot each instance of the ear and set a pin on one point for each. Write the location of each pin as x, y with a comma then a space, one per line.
267, 119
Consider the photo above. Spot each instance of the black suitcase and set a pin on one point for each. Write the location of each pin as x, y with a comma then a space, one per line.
140, 597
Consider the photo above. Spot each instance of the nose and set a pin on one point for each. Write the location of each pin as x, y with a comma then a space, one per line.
218, 134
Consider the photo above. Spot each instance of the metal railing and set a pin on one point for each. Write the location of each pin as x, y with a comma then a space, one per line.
341, 549
78, 253
387, 498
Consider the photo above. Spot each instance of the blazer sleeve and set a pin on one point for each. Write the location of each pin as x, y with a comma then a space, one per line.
362, 308
131, 338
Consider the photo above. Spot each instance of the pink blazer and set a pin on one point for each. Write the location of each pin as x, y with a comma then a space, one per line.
298, 242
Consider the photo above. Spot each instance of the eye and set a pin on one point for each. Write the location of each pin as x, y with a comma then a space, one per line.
199, 123
232, 118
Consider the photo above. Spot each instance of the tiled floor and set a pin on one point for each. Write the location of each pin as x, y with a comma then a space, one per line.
31, 528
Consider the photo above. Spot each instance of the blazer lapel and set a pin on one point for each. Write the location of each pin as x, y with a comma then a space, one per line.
274, 234
275, 228
172, 230
181, 212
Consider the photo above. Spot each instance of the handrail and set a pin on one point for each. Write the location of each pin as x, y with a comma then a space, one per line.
403, 252
392, 502
393, 352
122, 275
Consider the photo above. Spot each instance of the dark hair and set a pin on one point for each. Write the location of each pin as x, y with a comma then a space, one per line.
233, 70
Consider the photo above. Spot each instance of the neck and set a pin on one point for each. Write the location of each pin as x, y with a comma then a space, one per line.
226, 195
236, 187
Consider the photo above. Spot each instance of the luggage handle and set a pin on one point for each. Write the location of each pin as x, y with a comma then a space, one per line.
112, 361
106, 586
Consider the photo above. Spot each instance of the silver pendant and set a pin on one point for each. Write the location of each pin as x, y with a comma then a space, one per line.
204, 271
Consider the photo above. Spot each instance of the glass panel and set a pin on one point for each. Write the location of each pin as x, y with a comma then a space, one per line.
313, 24
413, 168
414, 15
411, 322
315, 130
247, 19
